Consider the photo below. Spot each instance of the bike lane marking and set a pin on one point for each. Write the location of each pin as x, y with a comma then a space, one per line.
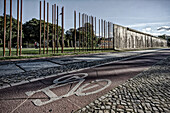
115, 72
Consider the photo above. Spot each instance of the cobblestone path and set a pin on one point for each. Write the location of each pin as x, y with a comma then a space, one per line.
148, 92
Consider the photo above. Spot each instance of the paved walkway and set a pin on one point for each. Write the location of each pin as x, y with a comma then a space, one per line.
71, 91
148, 92
19, 72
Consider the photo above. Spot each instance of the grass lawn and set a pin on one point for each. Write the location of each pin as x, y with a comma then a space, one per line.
34, 53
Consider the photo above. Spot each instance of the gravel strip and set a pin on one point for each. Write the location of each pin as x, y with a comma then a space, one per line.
148, 92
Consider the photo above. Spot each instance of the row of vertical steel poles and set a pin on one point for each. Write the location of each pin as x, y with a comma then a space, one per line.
19, 36
55, 30
87, 22
90, 27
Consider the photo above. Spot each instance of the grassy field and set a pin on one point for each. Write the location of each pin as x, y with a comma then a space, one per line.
34, 53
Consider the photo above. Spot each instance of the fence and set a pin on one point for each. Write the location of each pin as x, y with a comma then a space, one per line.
84, 38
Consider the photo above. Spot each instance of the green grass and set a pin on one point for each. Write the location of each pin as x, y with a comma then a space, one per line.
34, 53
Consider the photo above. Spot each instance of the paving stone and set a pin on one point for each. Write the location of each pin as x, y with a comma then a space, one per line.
37, 65
106, 111
147, 92
66, 61
88, 59
9, 69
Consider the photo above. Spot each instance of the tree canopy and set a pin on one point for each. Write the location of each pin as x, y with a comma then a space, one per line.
31, 32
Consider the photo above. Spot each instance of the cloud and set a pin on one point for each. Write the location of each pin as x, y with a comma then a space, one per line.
166, 28
148, 24
147, 30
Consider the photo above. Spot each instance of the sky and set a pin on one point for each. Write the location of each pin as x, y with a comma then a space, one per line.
149, 16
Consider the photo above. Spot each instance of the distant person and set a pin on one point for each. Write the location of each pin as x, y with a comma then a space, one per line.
35, 45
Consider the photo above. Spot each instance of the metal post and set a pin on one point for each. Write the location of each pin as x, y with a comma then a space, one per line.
54, 27
17, 27
113, 38
21, 30
87, 32
62, 29
74, 31
47, 25
92, 33
95, 34
44, 28
10, 27
99, 29
40, 30
4, 27
108, 34
83, 31
79, 32
57, 29
89, 39
104, 33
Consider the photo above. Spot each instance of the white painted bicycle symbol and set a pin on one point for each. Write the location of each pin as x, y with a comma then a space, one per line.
77, 89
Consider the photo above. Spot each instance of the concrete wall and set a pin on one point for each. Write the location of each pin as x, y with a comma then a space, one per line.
126, 38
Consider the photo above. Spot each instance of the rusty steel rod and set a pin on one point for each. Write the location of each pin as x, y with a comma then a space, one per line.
40, 30
83, 31
108, 34
113, 38
57, 29
62, 29
17, 28
44, 29
92, 35
104, 33
79, 32
4, 41
54, 28
91, 31
101, 33
10, 28
47, 26
87, 32
74, 31
99, 29
21, 29
95, 35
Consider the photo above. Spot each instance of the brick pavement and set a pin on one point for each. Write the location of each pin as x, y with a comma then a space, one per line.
148, 92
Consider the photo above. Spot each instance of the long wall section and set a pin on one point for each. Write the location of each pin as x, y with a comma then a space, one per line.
126, 38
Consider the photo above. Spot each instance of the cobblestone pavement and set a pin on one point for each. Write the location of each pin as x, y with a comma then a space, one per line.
148, 92
24, 76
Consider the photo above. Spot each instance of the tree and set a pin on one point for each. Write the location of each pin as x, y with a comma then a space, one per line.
70, 35
31, 31
14, 29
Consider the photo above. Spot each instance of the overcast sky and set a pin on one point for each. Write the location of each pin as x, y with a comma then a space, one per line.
142, 15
